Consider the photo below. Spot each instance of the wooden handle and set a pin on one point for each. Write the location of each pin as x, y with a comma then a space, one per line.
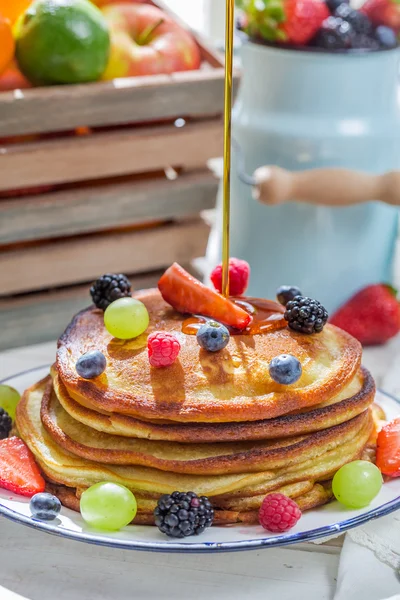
330, 187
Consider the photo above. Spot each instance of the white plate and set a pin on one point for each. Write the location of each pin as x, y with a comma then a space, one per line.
314, 524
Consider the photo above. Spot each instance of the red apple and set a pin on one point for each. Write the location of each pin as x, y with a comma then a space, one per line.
147, 41
101, 3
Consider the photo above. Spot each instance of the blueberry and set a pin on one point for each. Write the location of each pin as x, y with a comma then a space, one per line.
45, 507
91, 365
285, 293
386, 37
334, 4
213, 336
285, 369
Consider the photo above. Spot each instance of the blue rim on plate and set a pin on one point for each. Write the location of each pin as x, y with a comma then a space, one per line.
176, 547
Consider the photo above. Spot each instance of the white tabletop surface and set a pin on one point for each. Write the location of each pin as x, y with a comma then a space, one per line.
37, 566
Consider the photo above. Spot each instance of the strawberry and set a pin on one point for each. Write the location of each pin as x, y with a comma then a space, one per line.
388, 449
383, 12
187, 295
288, 21
303, 19
18, 471
372, 316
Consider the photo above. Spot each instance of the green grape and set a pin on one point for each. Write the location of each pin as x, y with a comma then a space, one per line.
356, 484
126, 318
108, 506
9, 398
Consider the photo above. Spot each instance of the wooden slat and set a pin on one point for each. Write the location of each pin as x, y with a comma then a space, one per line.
109, 154
105, 206
41, 110
43, 316
83, 258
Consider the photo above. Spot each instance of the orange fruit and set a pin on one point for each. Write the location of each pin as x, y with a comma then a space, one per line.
11, 9
7, 44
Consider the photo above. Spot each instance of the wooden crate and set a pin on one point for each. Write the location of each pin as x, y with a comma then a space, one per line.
124, 194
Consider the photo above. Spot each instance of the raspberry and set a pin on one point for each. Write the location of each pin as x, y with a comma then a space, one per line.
163, 349
239, 273
278, 513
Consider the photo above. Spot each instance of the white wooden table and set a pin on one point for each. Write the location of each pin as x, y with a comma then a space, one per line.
37, 566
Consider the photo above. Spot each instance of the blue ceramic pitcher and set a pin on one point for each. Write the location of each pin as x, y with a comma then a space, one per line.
302, 110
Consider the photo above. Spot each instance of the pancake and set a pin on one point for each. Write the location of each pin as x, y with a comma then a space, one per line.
350, 402
225, 387
64, 468
200, 459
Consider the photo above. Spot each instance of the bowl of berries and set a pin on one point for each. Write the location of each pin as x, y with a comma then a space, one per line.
319, 88
325, 25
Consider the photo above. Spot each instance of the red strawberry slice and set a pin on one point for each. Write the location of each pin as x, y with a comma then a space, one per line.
372, 316
388, 449
18, 471
187, 295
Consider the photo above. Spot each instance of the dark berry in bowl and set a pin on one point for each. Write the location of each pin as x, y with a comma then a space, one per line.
306, 315
365, 42
108, 288
334, 4
334, 34
359, 22
285, 293
386, 37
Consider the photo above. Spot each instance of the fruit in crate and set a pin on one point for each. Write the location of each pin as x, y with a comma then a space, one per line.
12, 9
7, 44
147, 41
101, 3
12, 79
372, 316
62, 42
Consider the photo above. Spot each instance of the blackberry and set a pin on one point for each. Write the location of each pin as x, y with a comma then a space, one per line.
306, 315
5, 424
109, 288
334, 4
359, 22
334, 34
365, 42
183, 513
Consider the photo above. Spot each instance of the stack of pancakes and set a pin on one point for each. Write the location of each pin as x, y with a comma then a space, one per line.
212, 423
